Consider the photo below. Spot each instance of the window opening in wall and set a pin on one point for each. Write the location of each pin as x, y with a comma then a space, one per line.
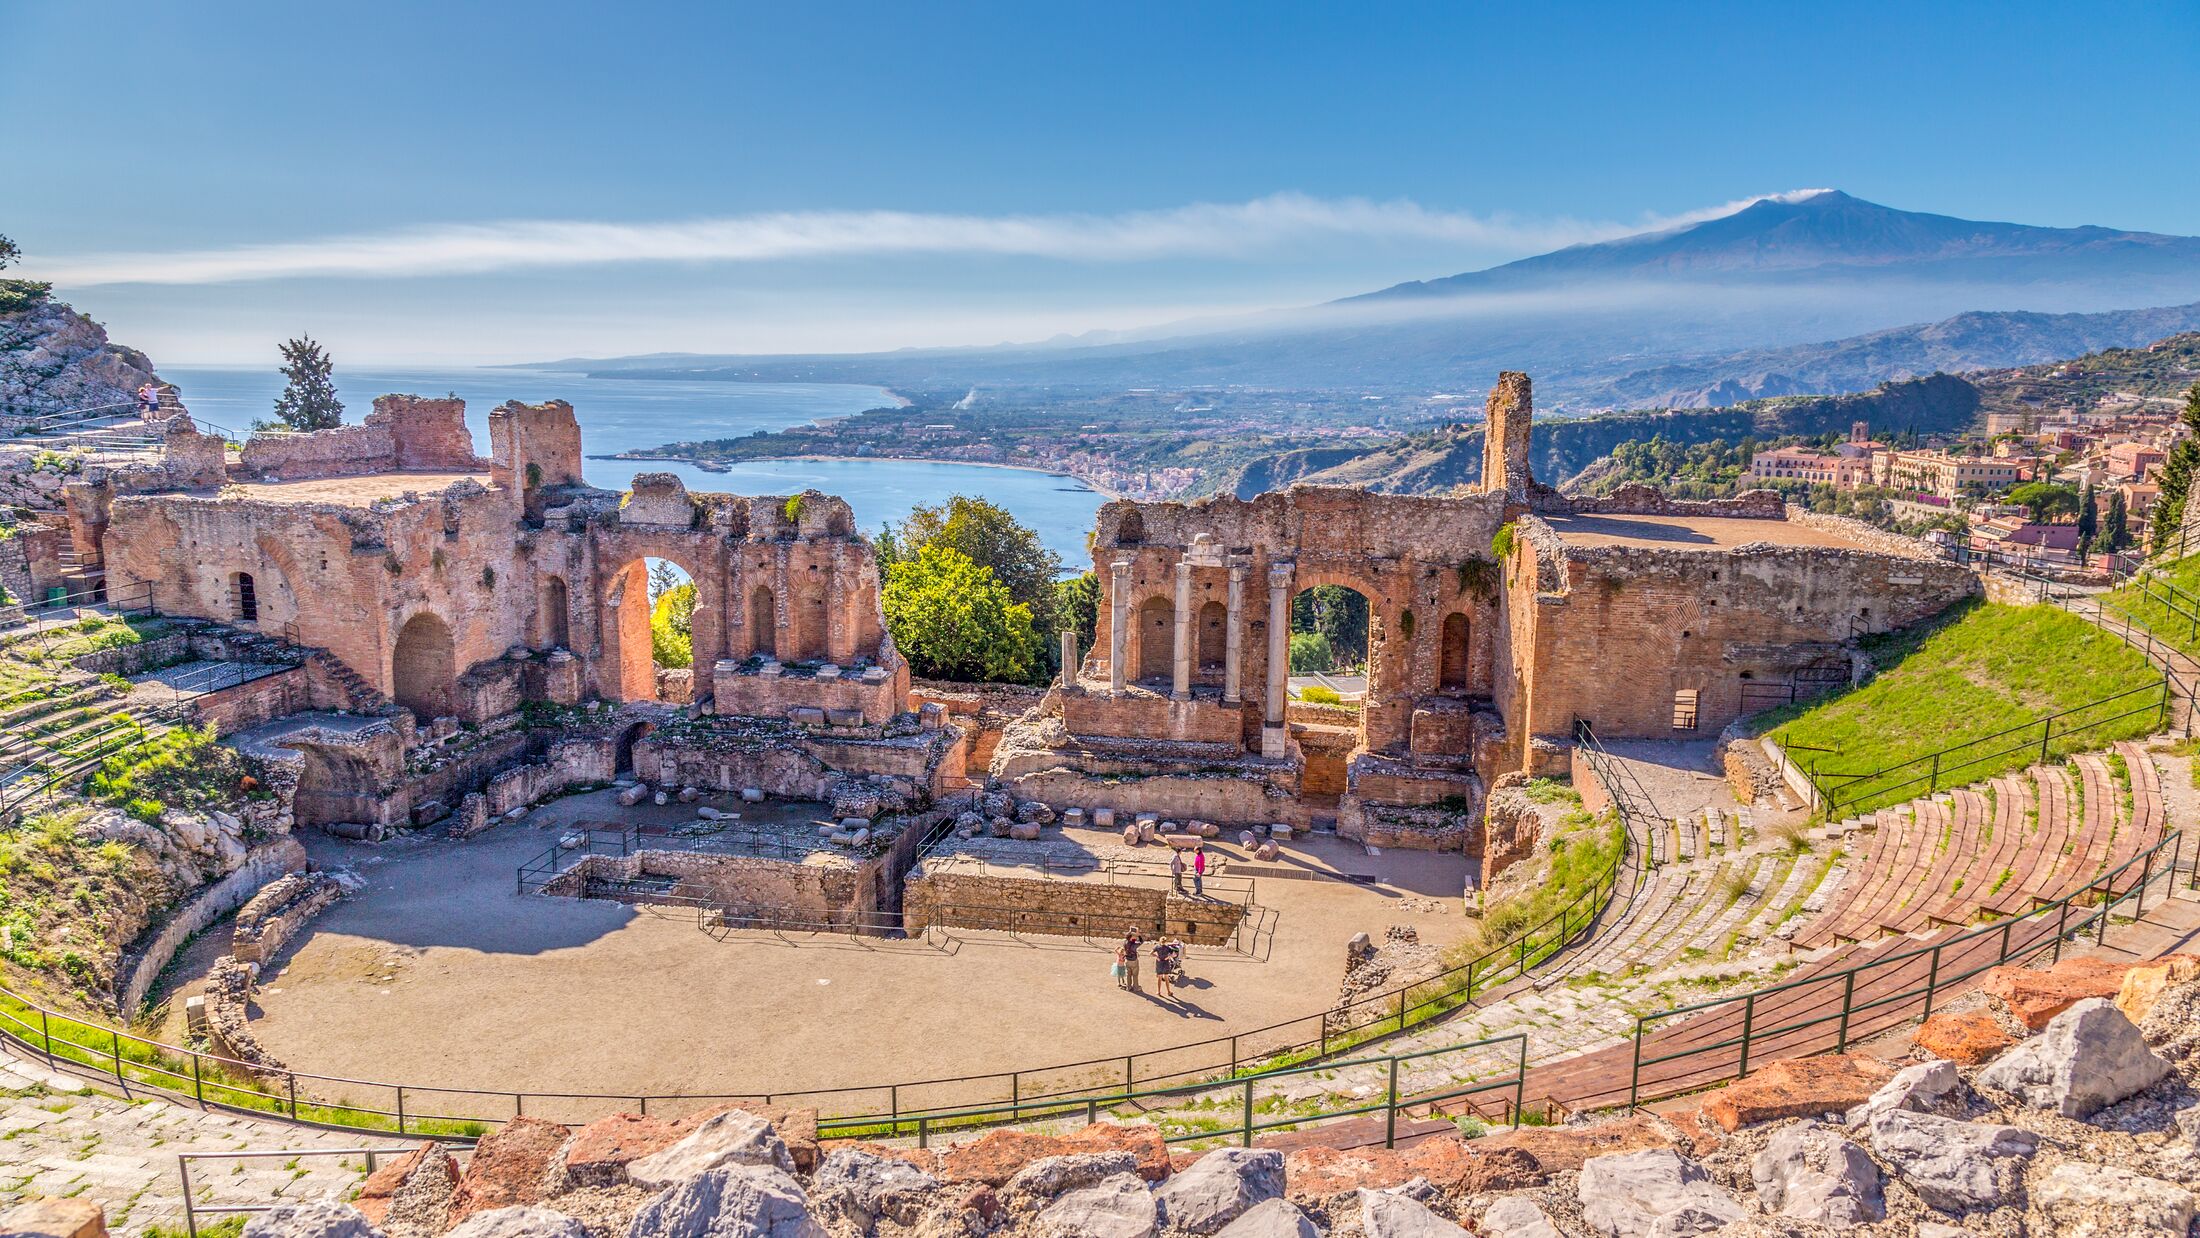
1684, 710
246, 597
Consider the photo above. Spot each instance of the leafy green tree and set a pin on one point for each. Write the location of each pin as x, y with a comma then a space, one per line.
308, 401
18, 294
1077, 605
10, 253
2045, 500
954, 619
2176, 476
1310, 652
1339, 615
672, 627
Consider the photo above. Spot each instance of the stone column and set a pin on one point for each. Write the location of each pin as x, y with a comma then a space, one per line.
1279, 659
1180, 687
1233, 645
1119, 623
1069, 658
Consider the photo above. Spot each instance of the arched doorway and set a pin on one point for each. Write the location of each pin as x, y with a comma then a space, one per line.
810, 626
623, 761
649, 612
1156, 656
1456, 660
423, 668
1329, 632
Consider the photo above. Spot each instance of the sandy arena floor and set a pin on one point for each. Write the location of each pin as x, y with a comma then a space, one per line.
438, 973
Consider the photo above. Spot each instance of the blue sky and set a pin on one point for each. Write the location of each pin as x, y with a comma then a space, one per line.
416, 182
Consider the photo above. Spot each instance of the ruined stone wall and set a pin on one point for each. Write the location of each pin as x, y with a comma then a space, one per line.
248, 705
826, 890
403, 432
1627, 628
146, 958
274, 915
1061, 908
569, 763
1638, 499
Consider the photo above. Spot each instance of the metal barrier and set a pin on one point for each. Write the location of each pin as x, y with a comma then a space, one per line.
1857, 1014
1846, 793
192, 1209
545, 868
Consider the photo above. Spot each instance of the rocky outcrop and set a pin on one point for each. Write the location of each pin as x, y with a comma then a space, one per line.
2089, 1057
54, 359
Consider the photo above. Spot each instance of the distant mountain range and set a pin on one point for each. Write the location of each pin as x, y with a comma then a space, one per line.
1730, 308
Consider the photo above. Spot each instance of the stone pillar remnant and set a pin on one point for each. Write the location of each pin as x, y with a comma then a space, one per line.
1119, 623
1233, 645
1180, 684
1069, 658
1279, 659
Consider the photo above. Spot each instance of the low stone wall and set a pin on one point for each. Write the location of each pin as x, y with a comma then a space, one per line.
403, 432
1639, 499
827, 891
252, 704
569, 763
228, 993
1221, 798
1512, 825
1870, 536
747, 693
262, 865
1061, 908
131, 659
277, 912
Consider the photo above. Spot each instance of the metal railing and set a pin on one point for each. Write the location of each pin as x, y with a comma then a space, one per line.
595, 840
1808, 1015
193, 1210
1847, 793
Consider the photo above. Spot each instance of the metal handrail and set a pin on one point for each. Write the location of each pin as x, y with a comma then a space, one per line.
192, 1208
2103, 885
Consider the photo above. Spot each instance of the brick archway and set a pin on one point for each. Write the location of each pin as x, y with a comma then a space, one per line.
424, 668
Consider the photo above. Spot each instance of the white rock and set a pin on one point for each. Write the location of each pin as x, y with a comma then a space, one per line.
1516, 1216
744, 1201
1929, 1087
1103, 818
1215, 1189
2107, 1201
734, 1137
707, 813
1277, 1218
660, 799
1119, 1207
752, 795
1385, 1215
320, 1220
866, 1187
1811, 1173
1656, 1190
1953, 1165
2089, 1057
519, 1223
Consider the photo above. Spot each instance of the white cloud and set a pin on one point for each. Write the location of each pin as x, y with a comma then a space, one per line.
1223, 230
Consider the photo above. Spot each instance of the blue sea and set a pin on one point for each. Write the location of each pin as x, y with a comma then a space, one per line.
621, 414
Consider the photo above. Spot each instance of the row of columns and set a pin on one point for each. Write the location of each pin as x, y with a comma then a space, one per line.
1233, 674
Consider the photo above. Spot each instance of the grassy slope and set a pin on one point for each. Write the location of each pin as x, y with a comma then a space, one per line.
2171, 613
1984, 670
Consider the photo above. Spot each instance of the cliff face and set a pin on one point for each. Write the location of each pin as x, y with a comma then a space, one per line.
53, 359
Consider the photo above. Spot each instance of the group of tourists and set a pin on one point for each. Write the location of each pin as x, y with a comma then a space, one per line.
1168, 963
1197, 868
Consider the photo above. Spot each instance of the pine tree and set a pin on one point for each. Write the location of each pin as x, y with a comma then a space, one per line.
2115, 527
308, 401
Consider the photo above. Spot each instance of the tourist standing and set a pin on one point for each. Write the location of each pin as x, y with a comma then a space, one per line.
1199, 871
1130, 960
1120, 970
1168, 959
1176, 870
148, 402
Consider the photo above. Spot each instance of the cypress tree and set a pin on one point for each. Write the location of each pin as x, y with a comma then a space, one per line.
308, 401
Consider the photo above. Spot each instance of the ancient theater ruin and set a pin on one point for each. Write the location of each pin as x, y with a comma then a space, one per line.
1503, 622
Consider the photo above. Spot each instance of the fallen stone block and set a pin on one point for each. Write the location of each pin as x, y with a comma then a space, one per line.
1103, 818
2089, 1058
760, 1201
508, 1167
1966, 1037
1073, 818
633, 795
1034, 811
660, 799
1517, 1217
1275, 1218
316, 1220
1812, 1173
1929, 1087
1120, 1207
1654, 1191
1952, 1165
752, 795
50, 1216
1219, 1187
1457, 1166
416, 1188
1280, 832
2078, 1200
1131, 836
519, 1222
1798, 1088
844, 717
864, 1187
735, 1137
689, 795
806, 715
1387, 1215
2036, 997
1049, 1176
707, 813
1024, 831
995, 1157
1557, 1149
2145, 983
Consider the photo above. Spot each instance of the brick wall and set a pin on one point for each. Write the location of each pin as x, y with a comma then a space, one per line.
1062, 908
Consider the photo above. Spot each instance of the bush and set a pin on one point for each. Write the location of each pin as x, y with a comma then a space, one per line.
1316, 694
1310, 652
953, 619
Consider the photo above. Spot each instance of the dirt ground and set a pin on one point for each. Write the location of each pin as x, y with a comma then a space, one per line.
439, 973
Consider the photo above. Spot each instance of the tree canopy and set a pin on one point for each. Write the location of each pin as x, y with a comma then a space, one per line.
988, 536
1339, 616
2045, 500
954, 619
308, 401
672, 627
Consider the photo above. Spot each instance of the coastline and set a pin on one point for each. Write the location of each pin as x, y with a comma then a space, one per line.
1086, 482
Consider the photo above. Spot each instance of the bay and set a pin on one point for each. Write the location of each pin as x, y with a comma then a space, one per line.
626, 414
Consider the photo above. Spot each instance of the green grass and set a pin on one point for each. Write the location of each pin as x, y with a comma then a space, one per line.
2170, 611
1952, 683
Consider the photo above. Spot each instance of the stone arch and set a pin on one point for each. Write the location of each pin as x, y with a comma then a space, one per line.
1455, 660
552, 615
763, 621
628, 667
1155, 656
1213, 632
334, 788
423, 667
623, 758
811, 628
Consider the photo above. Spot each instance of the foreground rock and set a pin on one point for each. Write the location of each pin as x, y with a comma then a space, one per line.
1220, 1187
519, 1223
1276, 1218
321, 1220
744, 1201
863, 1187
1514, 1217
1968, 1037
995, 1158
2089, 1058
1953, 1166
1455, 1166
1635, 1194
735, 1137
1385, 1214
2104, 1201
1812, 1173
412, 1194
1929, 1087
510, 1166
1798, 1088
2036, 997
1118, 1207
